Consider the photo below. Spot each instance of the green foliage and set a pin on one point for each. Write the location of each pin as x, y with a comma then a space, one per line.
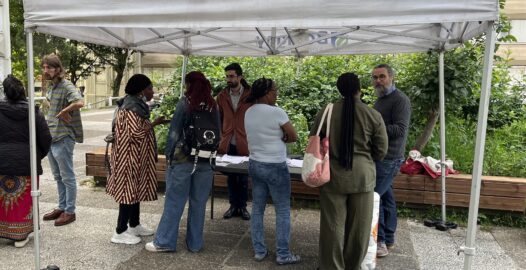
167, 110
505, 151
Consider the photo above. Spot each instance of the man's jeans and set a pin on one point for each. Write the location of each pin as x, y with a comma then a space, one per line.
61, 161
237, 185
181, 186
270, 179
386, 170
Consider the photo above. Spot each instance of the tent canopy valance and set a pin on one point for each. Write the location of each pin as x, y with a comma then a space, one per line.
260, 28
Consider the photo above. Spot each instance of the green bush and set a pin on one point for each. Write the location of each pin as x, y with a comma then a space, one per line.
505, 151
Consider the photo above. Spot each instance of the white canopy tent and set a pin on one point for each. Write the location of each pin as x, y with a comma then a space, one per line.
275, 27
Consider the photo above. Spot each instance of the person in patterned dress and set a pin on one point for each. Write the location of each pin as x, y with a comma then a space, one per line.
16, 217
132, 176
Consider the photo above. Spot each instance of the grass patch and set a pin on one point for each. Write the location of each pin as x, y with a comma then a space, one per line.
486, 218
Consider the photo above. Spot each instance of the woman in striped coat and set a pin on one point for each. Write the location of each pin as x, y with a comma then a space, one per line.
133, 156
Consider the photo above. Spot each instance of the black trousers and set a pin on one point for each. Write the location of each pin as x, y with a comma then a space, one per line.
237, 185
128, 214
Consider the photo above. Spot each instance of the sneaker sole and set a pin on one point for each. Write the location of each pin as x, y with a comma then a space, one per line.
115, 241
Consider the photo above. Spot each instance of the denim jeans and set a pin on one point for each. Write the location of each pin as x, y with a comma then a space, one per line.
181, 186
270, 179
61, 162
237, 185
386, 170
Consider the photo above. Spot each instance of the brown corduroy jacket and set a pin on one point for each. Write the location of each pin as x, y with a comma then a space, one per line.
233, 122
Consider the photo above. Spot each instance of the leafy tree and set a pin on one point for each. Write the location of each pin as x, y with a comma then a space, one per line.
118, 58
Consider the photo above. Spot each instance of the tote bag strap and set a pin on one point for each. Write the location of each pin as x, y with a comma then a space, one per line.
328, 110
328, 131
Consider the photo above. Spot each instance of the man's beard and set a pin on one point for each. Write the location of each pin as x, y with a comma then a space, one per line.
380, 90
232, 84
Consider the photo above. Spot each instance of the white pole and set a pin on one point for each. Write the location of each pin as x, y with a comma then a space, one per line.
186, 53
442, 131
469, 248
35, 193
183, 73
6, 46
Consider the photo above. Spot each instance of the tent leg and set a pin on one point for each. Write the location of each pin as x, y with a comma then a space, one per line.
469, 248
183, 73
35, 193
442, 132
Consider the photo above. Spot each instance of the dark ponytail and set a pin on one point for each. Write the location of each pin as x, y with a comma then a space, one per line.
349, 85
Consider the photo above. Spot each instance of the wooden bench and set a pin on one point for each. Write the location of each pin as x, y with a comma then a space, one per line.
497, 193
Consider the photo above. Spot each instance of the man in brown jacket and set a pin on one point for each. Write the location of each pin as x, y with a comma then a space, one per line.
232, 107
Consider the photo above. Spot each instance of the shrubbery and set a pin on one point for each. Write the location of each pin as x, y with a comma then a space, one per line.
306, 85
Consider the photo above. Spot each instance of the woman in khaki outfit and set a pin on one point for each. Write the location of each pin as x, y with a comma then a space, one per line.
358, 139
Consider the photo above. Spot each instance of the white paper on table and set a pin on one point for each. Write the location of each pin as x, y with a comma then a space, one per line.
232, 159
298, 163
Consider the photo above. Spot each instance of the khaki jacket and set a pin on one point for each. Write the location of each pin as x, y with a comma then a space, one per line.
370, 144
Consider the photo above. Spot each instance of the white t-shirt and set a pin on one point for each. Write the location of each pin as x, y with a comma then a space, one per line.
264, 134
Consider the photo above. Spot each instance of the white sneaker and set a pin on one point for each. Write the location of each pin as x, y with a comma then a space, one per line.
139, 230
22, 243
150, 246
125, 238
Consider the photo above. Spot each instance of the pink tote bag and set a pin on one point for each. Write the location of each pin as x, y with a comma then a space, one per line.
315, 171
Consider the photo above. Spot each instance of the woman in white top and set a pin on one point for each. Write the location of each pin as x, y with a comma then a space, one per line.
268, 129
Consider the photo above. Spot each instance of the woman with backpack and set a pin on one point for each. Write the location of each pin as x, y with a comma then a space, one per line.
268, 129
189, 175
132, 176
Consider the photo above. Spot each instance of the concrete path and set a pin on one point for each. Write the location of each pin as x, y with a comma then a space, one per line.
85, 244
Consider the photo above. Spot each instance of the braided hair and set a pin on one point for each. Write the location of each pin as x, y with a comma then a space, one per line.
259, 89
348, 85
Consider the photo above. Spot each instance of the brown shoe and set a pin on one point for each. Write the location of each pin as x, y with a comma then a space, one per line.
64, 219
53, 214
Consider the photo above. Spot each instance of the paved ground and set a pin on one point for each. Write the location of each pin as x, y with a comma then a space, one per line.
85, 244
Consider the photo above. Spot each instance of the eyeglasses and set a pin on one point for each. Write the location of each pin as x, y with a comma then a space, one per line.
230, 76
381, 77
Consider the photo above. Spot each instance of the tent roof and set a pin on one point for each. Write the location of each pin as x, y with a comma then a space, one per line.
265, 27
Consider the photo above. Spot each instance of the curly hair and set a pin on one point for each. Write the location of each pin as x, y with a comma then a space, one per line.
13, 89
199, 91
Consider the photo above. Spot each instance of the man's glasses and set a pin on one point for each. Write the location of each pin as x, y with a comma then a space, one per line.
230, 76
381, 77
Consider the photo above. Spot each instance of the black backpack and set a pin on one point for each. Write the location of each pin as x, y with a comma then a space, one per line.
202, 135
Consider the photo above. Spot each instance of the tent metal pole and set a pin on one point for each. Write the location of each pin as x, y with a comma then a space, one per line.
442, 131
469, 248
35, 192
183, 73
186, 53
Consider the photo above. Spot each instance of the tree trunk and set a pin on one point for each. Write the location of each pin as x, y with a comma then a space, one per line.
116, 86
422, 140
119, 68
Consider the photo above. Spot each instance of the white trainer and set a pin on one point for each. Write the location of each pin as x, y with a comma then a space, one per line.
150, 246
140, 230
125, 238
23, 243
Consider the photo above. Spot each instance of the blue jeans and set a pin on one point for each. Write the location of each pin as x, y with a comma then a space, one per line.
61, 161
181, 186
237, 185
386, 170
270, 179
